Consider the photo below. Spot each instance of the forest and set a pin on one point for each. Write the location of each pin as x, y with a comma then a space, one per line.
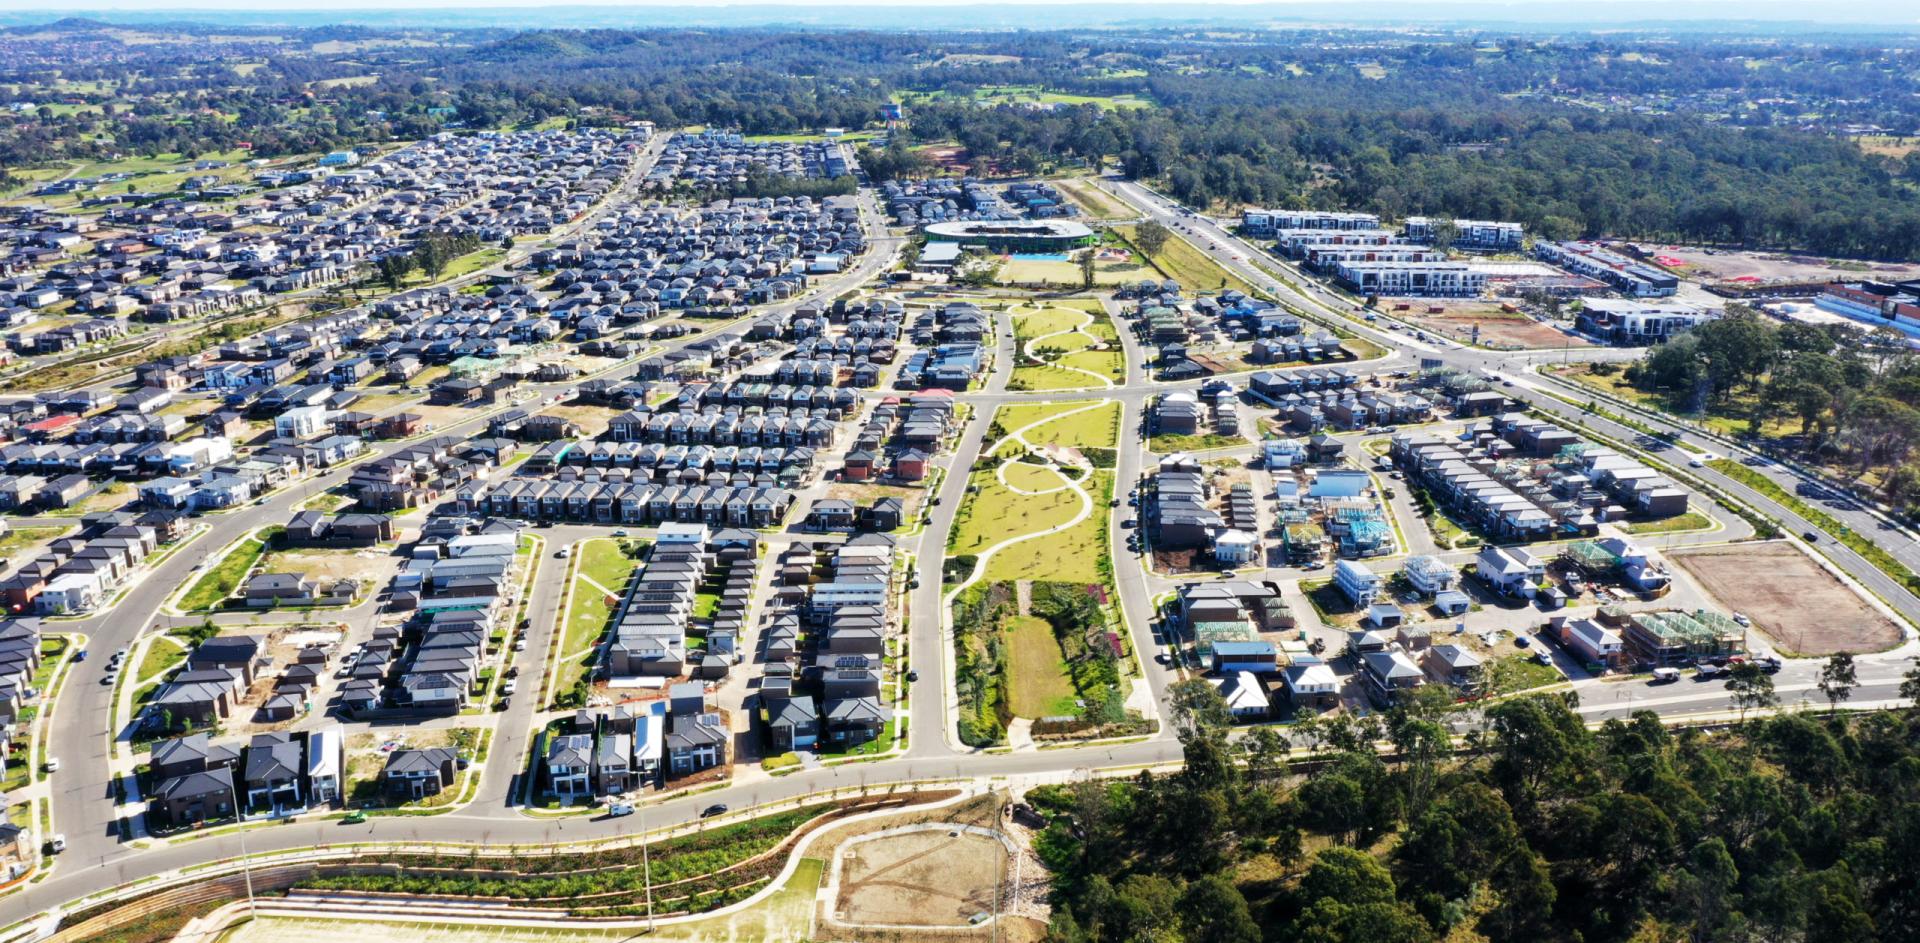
1799, 826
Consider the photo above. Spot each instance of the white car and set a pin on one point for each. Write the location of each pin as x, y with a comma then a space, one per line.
506, 690
58, 842
52, 765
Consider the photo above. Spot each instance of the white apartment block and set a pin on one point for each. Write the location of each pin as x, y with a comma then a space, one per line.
1422, 279
1268, 222
1472, 233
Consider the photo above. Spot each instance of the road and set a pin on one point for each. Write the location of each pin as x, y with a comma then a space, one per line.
83, 808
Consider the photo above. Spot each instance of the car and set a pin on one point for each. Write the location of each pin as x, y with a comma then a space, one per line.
513, 672
1768, 663
1707, 671
618, 809
80, 655
1810, 537
563, 552
520, 645
718, 808
1522, 641
353, 818
1129, 524
1665, 676
58, 842
1316, 565
506, 690
912, 675
1741, 618
1543, 658
622, 532
1696, 463
119, 656
110, 677
1162, 658
52, 765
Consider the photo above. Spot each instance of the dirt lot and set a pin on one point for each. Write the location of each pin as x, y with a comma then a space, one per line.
593, 420
930, 878
371, 567
1498, 328
1804, 609
1719, 265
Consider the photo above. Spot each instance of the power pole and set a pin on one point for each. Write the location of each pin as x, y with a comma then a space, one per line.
646, 866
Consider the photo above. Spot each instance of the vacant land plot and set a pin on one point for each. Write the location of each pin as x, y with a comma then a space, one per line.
1040, 685
1727, 417
592, 420
1791, 598
1497, 327
1721, 265
371, 566
1096, 202
17, 540
926, 878
223, 578
865, 494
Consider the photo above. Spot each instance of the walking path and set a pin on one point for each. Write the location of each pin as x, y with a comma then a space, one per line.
1033, 343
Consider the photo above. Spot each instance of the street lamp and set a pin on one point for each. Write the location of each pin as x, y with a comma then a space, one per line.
246, 863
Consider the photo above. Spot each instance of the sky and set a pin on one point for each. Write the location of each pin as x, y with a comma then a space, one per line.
1585, 8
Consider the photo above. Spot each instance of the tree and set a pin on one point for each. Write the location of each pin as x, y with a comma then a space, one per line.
1446, 232
1837, 679
393, 268
1910, 682
1198, 709
1751, 688
1151, 237
1215, 912
1087, 271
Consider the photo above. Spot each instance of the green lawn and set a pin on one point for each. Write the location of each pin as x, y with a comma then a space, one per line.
1092, 429
1029, 323
1182, 262
600, 561
1039, 683
1072, 555
994, 513
223, 579
161, 656
1692, 520
1096, 202
1165, 444
1728, 418
1027, 476
1510, 673
1045, 378
17, 539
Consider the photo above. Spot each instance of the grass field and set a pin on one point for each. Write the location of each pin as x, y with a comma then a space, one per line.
222, 579
17, 539
1029, 323
1090, 429
1165, 444
1183, 263
1096, 202
1072, 555
1692, 520
1038, 682
994, 513
1048, 377
601, 571
1029, 477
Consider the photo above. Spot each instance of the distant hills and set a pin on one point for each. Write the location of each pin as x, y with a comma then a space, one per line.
1761, 16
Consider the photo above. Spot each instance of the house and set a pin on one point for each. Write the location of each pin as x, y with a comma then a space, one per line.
1511, 571
570, 767
1389, 673
1229, 657
793, 724
696, 742
276, 589
1595, 643
1312, 684
1451, 664
325, 754
272, 772
417, 774
190, 754
613, 763
192, 798
1246, 696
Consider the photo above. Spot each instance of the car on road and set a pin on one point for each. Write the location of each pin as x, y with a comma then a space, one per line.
1741, 618
520, 645
563, 552
1665, 676
507, 689
622, 532
110, 677
1810, 537
80, 655
1696, 463
118, 656
1162, 658
52, 765
619, 809
1129, 524
58, 842
355, 817
718, 808
1768, 663
912, 675
1707, 671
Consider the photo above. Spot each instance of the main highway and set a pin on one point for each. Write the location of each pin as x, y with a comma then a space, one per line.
83, 806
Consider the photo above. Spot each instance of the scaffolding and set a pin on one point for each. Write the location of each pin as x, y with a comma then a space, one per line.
1591, 557
1207, 634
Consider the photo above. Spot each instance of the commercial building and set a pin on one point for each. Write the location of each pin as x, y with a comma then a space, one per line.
1418, 278
1268, 222
1013, 235
1625, 275
1629, 322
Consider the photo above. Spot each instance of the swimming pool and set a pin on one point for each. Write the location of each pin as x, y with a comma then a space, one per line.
1039, 257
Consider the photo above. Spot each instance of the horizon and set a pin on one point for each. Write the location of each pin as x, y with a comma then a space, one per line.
945, 14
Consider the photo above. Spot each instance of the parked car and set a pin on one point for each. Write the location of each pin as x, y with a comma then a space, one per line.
1741, 618
718, 808
52, 765
506, 690
58, 842
1665, 675
618, 809
80, 655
